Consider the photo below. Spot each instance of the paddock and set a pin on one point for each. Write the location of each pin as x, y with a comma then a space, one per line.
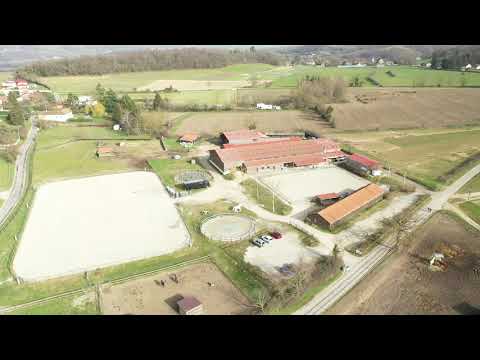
85, 224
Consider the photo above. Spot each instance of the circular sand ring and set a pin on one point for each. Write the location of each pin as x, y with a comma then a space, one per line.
191, 175
228, 227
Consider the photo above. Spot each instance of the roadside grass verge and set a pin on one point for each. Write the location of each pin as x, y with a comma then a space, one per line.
472, 210
307, 296
386, 229
264, 198
472, 186
7, 171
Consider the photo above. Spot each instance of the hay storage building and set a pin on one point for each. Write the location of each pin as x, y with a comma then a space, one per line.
190, 306
344, 209
283, 153
362, 165
60, 115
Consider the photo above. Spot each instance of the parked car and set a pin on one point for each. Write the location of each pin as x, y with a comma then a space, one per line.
266, 238
258, 242
276, 235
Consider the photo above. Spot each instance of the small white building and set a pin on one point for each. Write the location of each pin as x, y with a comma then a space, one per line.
478, 67
262, 106
116, 127
428, 65
60, 115
86, 100
9, 84
468, 66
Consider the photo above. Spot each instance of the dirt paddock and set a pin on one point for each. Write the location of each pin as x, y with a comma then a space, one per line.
404, 284
407, 108
148, 297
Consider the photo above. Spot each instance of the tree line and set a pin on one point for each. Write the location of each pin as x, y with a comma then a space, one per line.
456, 58
150, 60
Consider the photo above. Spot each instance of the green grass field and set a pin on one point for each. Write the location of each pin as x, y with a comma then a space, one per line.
7, 170
404, 76
472, 209
265, 198
71, 305
59, 155
126, 82
5, 75
426, 157
472, 186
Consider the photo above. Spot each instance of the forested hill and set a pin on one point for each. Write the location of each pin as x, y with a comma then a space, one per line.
457, 57
151, 60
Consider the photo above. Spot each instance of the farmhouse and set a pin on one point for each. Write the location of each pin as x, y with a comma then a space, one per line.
20, 83
362, 165
345, 208
275, 155
262, 106
190, 306
61, 115
188, 139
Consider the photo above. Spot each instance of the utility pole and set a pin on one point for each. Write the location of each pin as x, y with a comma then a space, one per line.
256, 182
404, 177
273, 202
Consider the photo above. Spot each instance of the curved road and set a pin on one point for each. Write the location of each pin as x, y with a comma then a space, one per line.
20, 178
334, 292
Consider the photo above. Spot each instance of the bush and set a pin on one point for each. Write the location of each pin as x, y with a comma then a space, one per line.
230, 176
310, 241
10, 155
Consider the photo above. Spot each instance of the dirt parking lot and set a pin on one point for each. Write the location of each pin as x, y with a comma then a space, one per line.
85, 224
148, 297
404, 284
287, 250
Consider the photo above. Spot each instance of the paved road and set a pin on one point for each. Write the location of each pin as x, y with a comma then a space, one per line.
20, 179
347, 281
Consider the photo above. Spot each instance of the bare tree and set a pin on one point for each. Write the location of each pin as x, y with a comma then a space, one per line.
261, 300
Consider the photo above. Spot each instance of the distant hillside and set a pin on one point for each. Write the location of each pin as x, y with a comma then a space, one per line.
456, 57
14, 56
401, 54
150, 60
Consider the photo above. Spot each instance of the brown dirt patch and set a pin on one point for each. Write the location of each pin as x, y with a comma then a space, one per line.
405, 285
212, 123
147, 297
407, 108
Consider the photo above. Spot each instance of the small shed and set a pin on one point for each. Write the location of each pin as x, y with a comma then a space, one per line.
190, 306
327, 199
196, 184
116, 127
104, 151
189, 138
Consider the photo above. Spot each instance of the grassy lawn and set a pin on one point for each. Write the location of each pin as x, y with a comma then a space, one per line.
5, 75
127, 82
7, 171
265, 198
433, 159
472, 209
166, 169
472, 186
73, 160
190, 97
72, 305
59, 153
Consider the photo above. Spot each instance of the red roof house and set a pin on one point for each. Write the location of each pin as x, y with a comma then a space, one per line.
189, 138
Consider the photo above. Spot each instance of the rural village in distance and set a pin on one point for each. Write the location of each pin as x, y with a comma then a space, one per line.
254, 180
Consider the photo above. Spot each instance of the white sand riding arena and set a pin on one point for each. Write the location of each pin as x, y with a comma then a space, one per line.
85, 224
299, 186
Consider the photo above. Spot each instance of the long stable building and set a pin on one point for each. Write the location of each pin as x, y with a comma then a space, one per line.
275, 154
342, 210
